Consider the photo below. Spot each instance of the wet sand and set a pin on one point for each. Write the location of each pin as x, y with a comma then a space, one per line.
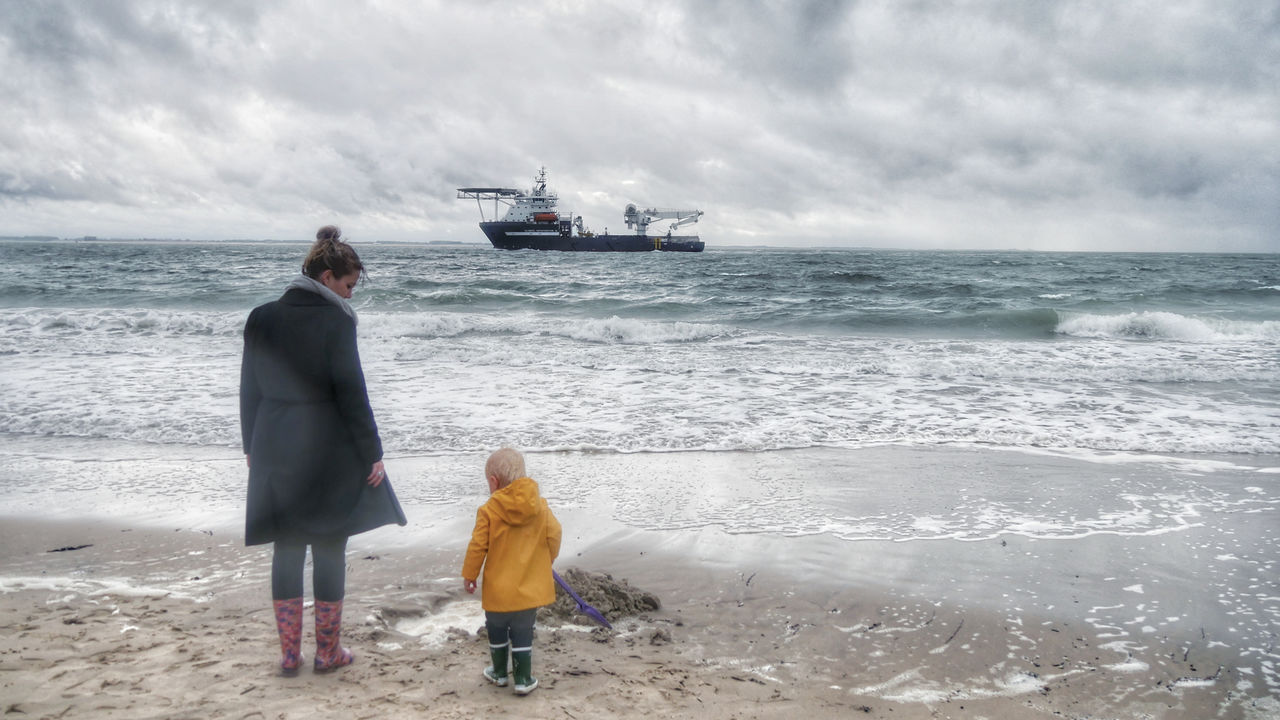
147, 620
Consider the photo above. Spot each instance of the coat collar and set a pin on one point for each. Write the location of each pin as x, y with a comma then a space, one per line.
298, 296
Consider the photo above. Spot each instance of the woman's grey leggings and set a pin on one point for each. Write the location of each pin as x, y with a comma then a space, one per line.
328, 572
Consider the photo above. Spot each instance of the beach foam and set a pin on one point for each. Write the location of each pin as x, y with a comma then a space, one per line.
1166, 325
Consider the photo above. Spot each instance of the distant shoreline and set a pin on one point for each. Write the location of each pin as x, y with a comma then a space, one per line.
90, 239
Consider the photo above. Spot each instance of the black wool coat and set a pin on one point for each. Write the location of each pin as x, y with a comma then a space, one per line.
307, 426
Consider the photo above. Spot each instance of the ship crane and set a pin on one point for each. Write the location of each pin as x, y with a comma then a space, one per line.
640, 219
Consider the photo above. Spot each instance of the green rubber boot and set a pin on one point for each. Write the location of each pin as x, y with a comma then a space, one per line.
524, 679
497, 672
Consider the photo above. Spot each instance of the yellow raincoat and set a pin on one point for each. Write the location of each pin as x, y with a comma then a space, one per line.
516, 538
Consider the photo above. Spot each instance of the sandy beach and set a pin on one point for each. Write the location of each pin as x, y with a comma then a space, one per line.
115, 619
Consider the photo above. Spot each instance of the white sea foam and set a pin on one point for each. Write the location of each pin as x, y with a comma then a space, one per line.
85, 587
1165, 325
912, 687
1263, 708
613, 330
434, 629
121, 323
638, 332
1130, 665
170, 377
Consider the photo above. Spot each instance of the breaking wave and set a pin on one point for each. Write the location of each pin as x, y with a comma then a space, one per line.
602, 331
1165, 326
122, 321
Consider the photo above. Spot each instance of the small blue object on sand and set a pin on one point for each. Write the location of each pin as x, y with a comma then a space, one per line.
582, 605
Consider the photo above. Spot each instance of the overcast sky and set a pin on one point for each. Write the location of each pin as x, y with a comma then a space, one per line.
1022, 124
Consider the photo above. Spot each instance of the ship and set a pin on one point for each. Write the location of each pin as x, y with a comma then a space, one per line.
533, 222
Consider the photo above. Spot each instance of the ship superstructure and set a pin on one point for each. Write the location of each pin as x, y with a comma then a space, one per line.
532, 221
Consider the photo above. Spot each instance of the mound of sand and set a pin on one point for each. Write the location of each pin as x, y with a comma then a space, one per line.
615, 599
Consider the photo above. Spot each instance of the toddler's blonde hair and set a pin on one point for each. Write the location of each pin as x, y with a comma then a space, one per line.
506, 464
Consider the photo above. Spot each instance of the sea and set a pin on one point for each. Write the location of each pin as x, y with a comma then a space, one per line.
751, 349
1085, 438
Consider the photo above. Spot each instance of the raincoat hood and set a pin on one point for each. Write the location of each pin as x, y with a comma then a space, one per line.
518, 503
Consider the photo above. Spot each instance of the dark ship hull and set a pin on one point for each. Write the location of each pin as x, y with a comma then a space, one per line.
557, 235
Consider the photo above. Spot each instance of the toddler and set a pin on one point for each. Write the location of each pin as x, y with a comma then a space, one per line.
516, 538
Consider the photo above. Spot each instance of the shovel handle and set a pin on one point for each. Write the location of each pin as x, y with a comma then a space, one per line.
582, 605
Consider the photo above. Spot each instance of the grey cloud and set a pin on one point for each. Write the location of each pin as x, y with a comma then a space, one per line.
781, 120
26, 188
45, 34
70, 35
783, 47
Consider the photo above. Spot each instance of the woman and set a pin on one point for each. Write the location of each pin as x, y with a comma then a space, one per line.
315, 459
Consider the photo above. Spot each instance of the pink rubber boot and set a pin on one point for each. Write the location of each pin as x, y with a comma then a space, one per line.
289, 626
330, 655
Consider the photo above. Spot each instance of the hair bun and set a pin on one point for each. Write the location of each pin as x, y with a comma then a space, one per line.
329, 252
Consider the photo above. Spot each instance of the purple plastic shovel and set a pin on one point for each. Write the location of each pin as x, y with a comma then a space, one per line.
582, 605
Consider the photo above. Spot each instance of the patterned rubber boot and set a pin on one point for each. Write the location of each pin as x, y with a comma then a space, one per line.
330, 655
497, 672
524, 679
289, 627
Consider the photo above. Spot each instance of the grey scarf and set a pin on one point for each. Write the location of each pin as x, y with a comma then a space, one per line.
317, 287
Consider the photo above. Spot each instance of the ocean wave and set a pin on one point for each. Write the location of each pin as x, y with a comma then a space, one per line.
850, 277
123, 321
407, 436
622, 331
60, 325
1165, 326
594, 331
468, 395
725, 351
1013, 323
421, 325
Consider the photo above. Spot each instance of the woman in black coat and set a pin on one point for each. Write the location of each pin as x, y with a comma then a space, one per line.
315, 459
